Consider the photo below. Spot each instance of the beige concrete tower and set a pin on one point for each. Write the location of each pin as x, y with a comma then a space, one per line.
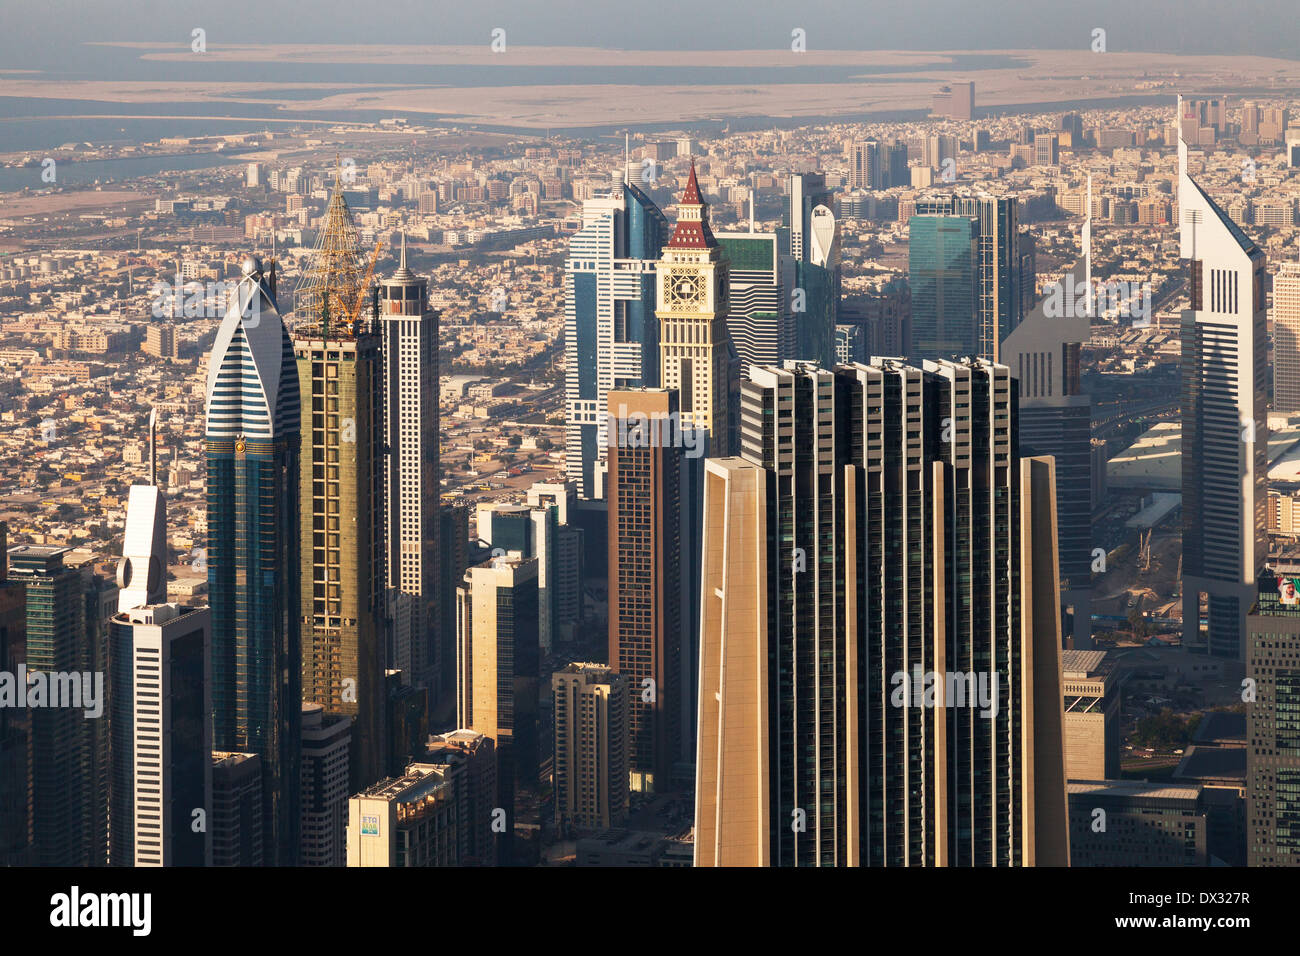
691, 295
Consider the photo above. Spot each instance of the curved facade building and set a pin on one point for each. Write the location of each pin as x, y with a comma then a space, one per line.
252, 439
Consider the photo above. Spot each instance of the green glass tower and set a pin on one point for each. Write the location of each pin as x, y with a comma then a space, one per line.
943, 271
62, 738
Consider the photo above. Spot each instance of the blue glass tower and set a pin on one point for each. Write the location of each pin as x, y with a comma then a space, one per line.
253, 449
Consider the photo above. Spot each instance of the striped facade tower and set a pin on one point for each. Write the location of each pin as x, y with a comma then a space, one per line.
252, 439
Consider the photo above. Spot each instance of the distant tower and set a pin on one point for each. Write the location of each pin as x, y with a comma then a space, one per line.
999, 307
161, 730
611, 335
1286, 338
341, 497
694, 350
253, 447
1225, 424
409, 327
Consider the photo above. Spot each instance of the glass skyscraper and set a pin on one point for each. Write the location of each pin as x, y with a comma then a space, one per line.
998, 257
253, 447
879, 527
611, 334
943, 269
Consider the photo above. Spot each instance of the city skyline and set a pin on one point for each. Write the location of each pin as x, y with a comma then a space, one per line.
513, 448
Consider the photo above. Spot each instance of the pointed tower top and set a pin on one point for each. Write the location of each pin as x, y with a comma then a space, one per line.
692, 229
403, 273
692, 195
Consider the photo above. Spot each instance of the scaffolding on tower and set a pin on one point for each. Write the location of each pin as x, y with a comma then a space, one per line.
326, 299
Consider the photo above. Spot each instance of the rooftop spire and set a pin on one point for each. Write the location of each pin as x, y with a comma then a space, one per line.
692, 195
403, 274
692, 230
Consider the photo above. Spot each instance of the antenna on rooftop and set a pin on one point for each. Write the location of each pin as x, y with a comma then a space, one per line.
153, 446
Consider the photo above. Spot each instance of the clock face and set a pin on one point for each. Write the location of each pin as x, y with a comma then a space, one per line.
684, 288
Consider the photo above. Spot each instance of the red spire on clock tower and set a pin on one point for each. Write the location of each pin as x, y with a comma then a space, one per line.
692, 228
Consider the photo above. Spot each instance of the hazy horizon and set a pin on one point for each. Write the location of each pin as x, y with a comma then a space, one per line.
30, 40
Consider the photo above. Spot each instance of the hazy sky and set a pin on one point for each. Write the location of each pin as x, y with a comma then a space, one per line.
44, 33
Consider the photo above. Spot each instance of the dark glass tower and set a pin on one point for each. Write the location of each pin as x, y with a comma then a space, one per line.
253, 446
899, 534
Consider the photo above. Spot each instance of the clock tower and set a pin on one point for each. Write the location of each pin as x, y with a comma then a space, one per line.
692, 311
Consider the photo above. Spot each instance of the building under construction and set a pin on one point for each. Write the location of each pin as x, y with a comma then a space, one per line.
340, 370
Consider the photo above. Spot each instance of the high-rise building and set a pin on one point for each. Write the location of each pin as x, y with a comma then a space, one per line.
1047, 149
956, 101
15, 723
805, 192
913, 720
876, 165
61, 737
413, 820
591, 705
943, 271
809, 243
409, 326
611, 332
1272, 774
341, 498
758, 318
541, 531
237, 810
253, 446
565, 576
497, 669
1043, 353
453, 559
326, 763
476, 791
692, 309
1000, 285
160, 710
646, 575
1224, 422
864, 165
1286, 338
1072, 123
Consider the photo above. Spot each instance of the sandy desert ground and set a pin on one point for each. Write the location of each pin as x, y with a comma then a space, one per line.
1038, 77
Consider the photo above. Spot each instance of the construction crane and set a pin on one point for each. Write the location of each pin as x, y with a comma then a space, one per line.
365, 284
